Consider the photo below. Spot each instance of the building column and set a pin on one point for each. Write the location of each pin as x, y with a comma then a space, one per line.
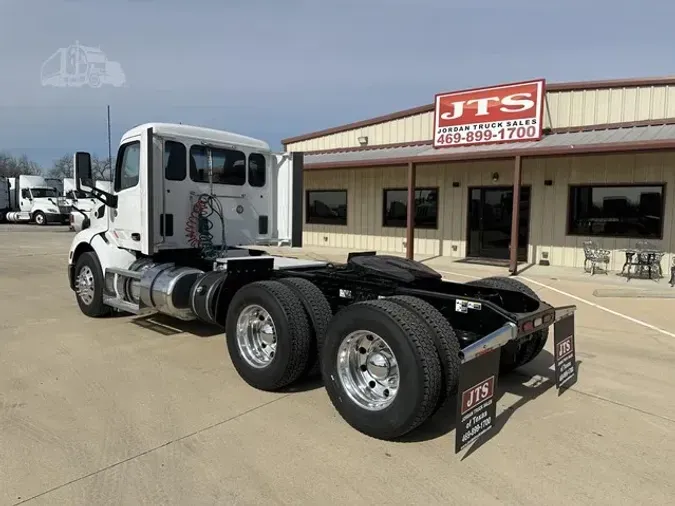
410, 223
515, 220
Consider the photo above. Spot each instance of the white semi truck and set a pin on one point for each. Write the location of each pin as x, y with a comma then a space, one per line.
4, 198
32, 199
83, 203
392, 340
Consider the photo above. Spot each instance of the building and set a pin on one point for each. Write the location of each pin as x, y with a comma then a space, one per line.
599, 165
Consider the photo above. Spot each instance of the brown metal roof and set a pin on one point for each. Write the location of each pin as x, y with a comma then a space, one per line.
570, 86
640, 138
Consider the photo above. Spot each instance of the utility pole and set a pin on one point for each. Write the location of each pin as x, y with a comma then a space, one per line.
109, 146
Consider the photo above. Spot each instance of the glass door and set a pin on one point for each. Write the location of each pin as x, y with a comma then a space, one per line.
489, 217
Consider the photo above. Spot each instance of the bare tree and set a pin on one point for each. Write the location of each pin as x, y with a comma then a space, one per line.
12, 166
63, 167
100, 168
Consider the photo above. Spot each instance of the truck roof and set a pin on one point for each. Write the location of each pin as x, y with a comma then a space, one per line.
197, 132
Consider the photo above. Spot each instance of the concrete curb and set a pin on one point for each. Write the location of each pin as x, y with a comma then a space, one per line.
639, 294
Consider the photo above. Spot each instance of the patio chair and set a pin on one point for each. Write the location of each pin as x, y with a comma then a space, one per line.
595, 255
648, 259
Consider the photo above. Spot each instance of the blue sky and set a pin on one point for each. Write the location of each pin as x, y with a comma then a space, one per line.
278, 68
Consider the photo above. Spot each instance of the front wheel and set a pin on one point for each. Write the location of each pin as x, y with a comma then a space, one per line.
39, 218
89, 286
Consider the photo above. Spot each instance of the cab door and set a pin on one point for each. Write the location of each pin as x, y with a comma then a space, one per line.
172, 198
26, 202
130, 222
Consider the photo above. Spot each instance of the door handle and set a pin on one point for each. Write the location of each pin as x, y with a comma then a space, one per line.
136, 237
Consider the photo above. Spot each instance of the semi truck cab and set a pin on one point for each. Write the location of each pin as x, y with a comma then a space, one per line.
32, 199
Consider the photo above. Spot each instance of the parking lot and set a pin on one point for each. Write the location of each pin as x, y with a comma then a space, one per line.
132, 410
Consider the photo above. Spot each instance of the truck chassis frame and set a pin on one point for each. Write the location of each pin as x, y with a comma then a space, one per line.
392, 340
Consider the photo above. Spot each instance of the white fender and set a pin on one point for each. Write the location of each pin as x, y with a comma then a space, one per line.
108, 252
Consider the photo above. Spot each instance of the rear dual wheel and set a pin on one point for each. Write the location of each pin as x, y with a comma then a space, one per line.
387, 365
516, 355
268, 335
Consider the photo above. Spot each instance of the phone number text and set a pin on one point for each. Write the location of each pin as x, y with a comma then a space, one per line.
488, 135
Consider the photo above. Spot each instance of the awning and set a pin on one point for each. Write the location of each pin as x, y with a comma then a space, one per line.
638, 138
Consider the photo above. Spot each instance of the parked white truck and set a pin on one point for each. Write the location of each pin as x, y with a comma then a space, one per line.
33, 200
4, 199
83, 203
391, 339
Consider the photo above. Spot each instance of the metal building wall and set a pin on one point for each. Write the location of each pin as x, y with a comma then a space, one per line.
548, 217
564, 109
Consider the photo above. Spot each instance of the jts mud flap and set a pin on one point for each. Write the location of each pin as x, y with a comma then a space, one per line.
479, 373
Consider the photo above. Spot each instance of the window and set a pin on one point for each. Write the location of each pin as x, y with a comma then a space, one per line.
256, 170
175, 161
616, 211
229, 165
42, 193
395, 212
128, 166
327, 207
25, 194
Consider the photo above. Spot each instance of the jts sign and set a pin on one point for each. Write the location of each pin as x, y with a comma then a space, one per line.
507, 113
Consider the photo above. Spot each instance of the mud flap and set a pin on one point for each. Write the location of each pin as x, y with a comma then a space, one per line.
564, 353
476, 398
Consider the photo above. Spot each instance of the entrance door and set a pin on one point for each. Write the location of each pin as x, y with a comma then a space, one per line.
490, 213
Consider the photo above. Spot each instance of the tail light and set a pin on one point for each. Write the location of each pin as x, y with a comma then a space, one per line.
530, 325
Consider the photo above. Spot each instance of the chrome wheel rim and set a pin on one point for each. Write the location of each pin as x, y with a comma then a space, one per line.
85, 285
368, 370
39, 219
256, 336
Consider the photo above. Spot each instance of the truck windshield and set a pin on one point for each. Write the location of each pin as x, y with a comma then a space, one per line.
38, 193
78, 194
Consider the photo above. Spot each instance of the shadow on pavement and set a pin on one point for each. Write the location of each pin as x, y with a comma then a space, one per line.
167, 326
518, 383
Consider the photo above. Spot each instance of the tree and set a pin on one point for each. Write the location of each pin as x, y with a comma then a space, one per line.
12, 166
100, 168
63, 167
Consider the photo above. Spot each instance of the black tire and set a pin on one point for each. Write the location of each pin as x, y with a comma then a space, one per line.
93, 308
39, 218
319, 312
293, 338
513, 358
445, 340
418, 365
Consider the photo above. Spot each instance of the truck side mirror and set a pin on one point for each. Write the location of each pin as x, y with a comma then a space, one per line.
82, 166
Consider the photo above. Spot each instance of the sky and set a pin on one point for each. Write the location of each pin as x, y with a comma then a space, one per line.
273, 69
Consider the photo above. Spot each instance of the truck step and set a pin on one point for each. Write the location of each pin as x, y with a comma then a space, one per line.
124, 305
125, 273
